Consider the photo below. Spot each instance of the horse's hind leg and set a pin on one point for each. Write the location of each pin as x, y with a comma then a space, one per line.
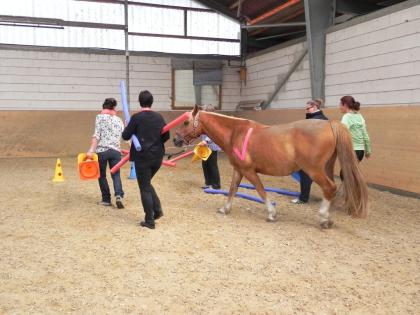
328, 188
255, 180
236, 179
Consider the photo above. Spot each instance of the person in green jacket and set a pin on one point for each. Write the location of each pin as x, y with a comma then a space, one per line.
356, 124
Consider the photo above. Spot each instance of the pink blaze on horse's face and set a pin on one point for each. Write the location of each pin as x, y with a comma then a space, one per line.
189, 130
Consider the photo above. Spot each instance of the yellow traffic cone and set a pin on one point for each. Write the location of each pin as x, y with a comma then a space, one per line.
58, 177
201, 152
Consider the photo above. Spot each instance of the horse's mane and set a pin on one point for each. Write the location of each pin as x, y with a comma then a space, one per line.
233, 118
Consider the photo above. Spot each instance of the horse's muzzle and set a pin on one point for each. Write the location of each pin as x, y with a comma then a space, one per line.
178, 142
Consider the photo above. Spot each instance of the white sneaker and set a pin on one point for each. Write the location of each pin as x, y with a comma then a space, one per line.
104, 203
119, 203
297, 201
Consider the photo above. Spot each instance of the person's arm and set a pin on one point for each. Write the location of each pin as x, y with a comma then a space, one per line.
95, 138
345, 120
366, 140
206, 141
164, 136
130, 129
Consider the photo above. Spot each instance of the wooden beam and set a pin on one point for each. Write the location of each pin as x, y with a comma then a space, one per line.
273, 11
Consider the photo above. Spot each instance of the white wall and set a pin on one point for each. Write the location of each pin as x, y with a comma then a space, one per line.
58, 80
264, 72
81, 81
378, 61
231, 86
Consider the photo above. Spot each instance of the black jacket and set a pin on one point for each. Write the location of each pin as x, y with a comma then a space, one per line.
317, 115
147, 126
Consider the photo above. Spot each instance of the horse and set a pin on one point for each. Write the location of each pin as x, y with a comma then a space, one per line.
310, 145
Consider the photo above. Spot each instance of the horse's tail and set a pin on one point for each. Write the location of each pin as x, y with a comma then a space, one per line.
355, 188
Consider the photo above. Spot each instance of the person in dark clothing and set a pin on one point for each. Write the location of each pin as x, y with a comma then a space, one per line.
312, 112
210, 167
147, 126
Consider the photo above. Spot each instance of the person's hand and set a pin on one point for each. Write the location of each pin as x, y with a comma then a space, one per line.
367, 155
89, 154
202, 143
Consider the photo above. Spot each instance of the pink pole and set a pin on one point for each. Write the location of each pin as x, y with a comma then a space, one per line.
169, 163
184, 155
175, 122
120, 164
168, 126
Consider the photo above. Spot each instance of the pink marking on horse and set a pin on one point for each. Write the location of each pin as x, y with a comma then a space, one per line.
241, 155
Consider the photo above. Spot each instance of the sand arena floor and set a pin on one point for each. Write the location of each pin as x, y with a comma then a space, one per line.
60, 253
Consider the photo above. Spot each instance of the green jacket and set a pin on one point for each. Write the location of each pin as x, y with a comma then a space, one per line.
356, 124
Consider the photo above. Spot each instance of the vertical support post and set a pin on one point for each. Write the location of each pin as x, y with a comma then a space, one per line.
319, 16
185, 23
127, 52
197, 92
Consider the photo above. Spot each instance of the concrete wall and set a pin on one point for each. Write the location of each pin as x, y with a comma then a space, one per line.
265, 71
81, 81
376, 61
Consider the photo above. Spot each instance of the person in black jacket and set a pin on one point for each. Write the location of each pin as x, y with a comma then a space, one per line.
147, 126
312, 112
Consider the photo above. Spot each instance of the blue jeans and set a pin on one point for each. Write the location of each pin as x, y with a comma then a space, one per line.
112, 157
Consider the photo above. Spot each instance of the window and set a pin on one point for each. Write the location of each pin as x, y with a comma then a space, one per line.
185, 94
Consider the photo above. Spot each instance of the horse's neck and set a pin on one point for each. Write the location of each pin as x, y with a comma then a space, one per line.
220, 127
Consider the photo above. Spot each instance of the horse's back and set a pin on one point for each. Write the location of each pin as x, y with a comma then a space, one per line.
310, 138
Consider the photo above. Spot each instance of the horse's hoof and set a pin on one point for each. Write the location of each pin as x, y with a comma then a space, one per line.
272, 219
327, 224
222, 211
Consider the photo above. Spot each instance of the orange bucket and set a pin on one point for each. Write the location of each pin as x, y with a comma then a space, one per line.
88, 168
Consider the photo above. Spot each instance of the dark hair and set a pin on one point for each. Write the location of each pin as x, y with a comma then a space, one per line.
109, 103
145, 99
350, 102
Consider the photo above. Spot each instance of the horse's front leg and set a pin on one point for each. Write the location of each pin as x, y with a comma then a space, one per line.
252, 176
236, 180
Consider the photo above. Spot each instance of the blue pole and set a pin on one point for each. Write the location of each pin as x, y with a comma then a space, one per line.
134, 139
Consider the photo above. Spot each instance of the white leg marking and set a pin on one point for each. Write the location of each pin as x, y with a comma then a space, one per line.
324, 211
272, 213
226, 208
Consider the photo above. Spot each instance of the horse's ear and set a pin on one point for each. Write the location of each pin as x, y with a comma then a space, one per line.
195, 110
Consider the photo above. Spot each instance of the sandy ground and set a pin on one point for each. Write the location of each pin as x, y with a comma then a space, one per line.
60, 253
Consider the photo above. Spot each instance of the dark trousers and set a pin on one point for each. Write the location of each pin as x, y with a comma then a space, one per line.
360, 154
211, 171
149, 199
305, 186
111, 157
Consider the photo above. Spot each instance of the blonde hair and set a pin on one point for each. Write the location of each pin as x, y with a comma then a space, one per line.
208, 108
319, 102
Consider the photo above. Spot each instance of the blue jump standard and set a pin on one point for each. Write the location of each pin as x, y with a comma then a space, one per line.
240, 195
270, 189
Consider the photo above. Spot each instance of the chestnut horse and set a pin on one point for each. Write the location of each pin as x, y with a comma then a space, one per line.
310, 145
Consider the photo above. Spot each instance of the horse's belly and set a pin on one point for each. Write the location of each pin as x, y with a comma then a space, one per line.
274, 164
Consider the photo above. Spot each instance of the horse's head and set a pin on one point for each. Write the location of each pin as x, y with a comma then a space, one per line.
190, 129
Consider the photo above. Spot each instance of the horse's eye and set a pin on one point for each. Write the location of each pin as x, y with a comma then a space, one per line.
186, 123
